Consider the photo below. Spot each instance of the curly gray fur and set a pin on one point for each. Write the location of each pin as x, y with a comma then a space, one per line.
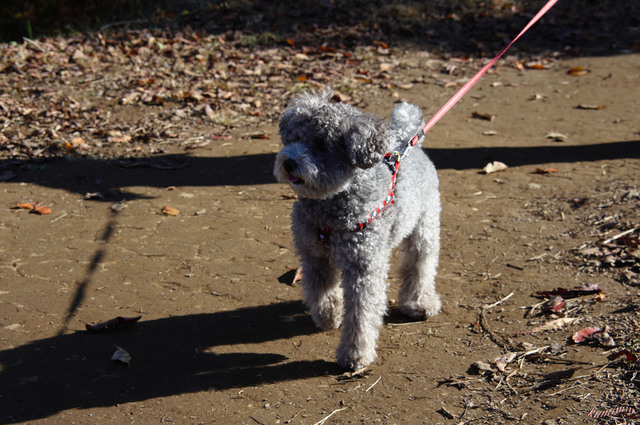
333, 160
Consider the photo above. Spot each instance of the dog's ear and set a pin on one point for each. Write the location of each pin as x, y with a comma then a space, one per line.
366, 140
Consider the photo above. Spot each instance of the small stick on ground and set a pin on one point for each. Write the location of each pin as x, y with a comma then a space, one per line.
502, 341
487, 307
618, 236
374, 384
330, 414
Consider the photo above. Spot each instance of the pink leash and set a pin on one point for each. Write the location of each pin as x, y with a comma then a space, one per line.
447, 106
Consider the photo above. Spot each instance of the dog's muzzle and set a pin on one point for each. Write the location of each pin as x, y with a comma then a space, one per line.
290, 165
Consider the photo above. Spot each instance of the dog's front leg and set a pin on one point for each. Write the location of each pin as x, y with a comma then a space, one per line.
321, 291
365, 306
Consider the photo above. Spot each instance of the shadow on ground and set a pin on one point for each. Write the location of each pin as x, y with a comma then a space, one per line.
111, 179
171, 356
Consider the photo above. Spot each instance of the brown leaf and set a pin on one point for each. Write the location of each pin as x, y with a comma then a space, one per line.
41, 210
363, 79
167, 210
631, 357
585, 334
26, 205
109, 325
481, 116
502, 361
546, 170
577, 71
555, 304
209, 112
257, 135
553, 325
593, 107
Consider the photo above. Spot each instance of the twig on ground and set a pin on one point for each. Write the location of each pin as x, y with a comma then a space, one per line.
618, 236
34, 44
120, 23
502, 341
486, 307
374, 384
294, 416
330, 414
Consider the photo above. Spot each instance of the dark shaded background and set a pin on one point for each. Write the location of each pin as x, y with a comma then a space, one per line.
461, 26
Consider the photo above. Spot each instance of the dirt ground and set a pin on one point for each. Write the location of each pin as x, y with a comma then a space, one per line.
223, 336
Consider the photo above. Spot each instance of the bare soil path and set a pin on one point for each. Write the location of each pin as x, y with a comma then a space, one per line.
223, 337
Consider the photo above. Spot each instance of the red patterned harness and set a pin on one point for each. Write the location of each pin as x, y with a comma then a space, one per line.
324, 232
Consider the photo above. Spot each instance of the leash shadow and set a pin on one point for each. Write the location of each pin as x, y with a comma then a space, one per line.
171, 356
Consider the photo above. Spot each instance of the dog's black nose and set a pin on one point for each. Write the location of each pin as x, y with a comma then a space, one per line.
289, 165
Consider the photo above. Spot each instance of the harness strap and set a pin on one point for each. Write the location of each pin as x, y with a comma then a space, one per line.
325, 232
391, 196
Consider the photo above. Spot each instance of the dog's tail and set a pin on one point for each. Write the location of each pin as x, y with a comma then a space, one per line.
405, 122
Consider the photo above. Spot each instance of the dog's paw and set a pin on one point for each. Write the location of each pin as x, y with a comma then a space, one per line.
423, 309
350, 357
327, 320
328, 315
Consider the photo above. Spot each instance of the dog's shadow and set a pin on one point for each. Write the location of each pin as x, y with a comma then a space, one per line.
170, 356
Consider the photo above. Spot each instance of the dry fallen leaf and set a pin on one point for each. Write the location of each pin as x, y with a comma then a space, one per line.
209, 112
258, 135
584, 334
494, 167
502, 361
557, 137
167, 210
555, 304
481, 116
405, 86
482, 367
116, 323
41, 210
553, 325
363, 79
26, 205
546, 170
593, 107
121, 355
118, 206
577, 71
631, 357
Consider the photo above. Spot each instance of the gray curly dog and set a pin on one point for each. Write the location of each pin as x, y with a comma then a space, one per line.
357, 201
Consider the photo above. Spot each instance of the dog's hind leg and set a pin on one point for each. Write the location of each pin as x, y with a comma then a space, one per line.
322, 292
418, 297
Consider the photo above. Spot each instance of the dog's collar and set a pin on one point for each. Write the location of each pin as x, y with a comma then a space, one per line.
392, 159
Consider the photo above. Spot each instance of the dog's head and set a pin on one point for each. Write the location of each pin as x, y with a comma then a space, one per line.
326, 144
